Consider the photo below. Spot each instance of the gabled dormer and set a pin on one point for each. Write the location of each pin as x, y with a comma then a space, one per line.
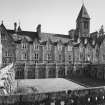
83, 23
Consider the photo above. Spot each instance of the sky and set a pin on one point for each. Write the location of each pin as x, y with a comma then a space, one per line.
55, 16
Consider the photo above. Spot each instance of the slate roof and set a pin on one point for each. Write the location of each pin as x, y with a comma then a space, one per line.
44, 36
83, 13
29, 34
55, 37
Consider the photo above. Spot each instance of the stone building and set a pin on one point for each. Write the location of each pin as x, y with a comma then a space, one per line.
47, 55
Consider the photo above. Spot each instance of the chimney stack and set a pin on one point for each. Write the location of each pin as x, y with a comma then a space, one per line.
39, 28
15, 26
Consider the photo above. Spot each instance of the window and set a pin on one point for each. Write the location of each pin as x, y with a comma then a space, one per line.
86, 26
69, 48
36, 47
3, 36
36, 61
60, 58
6, 53
36, 56
48, 47
49, 57
80, 49
20, 74
69, 58
88, 57
4, 61
59, 47
24, 46
31, 73
103, 56
24, 56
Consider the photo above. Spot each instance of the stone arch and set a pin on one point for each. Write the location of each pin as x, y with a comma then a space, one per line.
52, 73
61, 72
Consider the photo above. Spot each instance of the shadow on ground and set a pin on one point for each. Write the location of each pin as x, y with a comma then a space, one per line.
86, 81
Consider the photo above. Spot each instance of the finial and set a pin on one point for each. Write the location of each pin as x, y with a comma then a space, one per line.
82, 2
19, 22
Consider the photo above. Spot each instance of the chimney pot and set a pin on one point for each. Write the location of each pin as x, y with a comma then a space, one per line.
15, 26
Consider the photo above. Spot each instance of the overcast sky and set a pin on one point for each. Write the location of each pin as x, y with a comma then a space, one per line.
56, 16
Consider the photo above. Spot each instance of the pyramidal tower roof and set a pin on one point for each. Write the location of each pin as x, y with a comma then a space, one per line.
83, 13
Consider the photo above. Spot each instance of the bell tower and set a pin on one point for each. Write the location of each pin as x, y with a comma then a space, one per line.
83, 23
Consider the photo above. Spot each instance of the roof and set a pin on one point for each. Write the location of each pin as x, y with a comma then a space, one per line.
49, 85
55, 37
29, 34
83, 13
44, 36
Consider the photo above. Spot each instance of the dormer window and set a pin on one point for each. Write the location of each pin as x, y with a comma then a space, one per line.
59, 47
69, 48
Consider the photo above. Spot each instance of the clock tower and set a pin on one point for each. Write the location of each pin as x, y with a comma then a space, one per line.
83, 23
